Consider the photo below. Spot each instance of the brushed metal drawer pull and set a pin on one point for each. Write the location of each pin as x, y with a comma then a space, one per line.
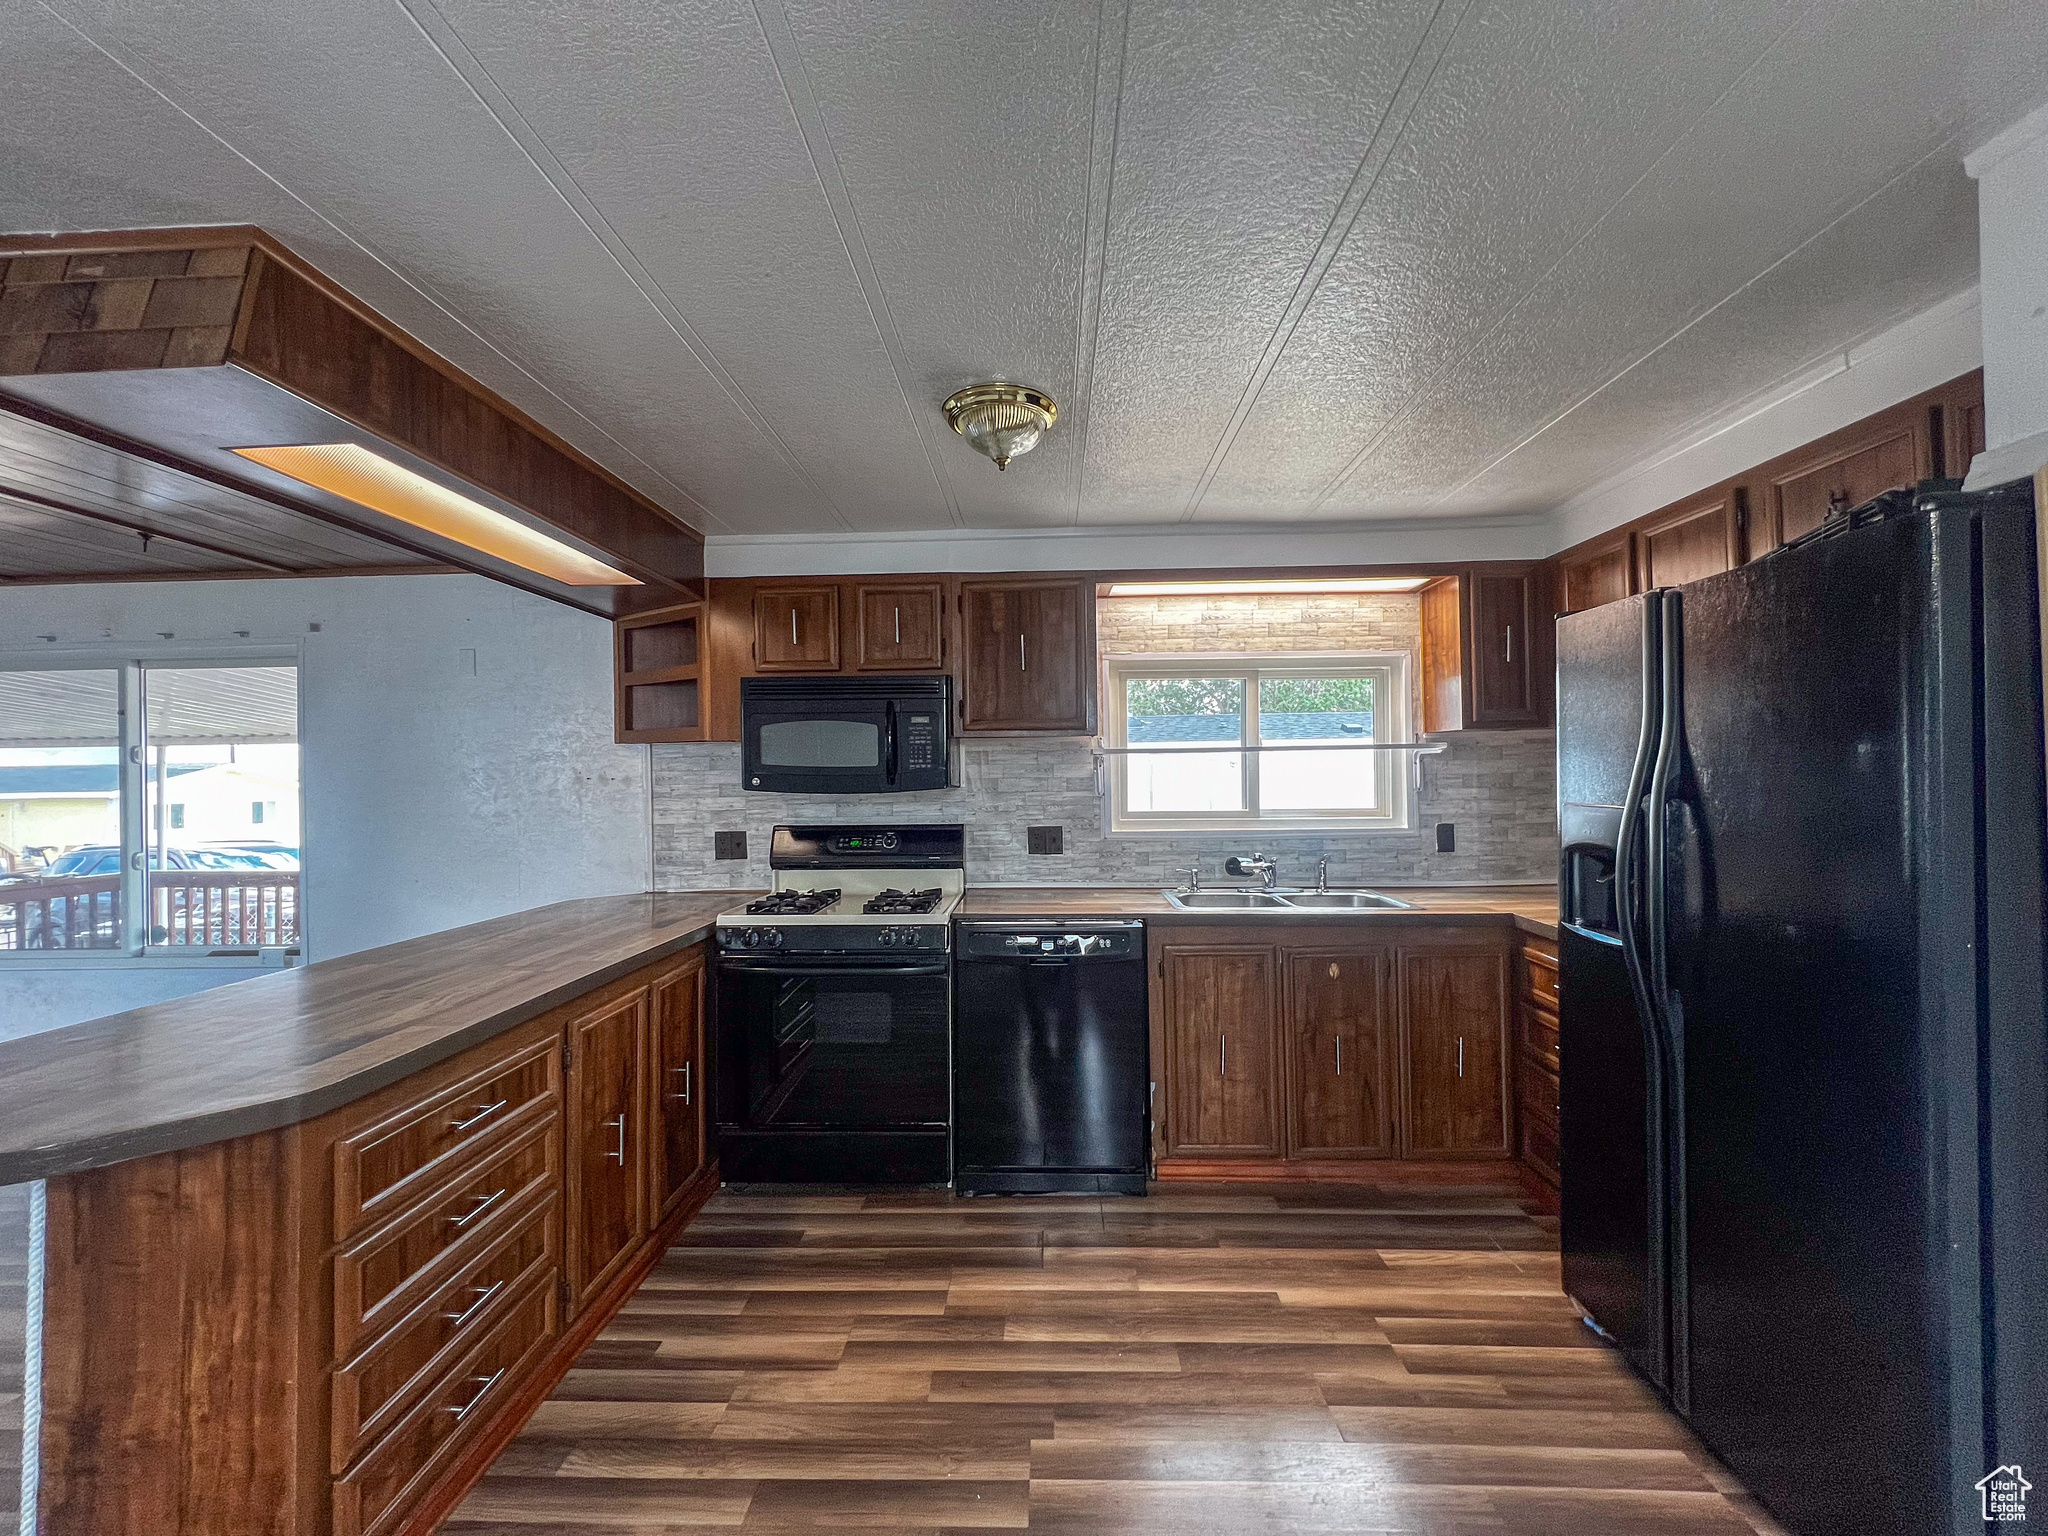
483, 1113
484, 1385
483, 1203
1223, 1056
1511, 642
483, 1294
792, 625
1020, 653
899, 626
1340, 1055
618, 1125
1461, 1055
685, 1094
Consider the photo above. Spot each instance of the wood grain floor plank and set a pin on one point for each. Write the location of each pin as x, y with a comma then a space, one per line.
1348, 1361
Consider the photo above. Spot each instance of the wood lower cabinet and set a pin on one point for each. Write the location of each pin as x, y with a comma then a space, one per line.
338, 1324
608, 1140
677, 1083
1538, 1058
1396, 1049
1027, 655
1340, 1028
899, 627
1454, 1052
1221, 1026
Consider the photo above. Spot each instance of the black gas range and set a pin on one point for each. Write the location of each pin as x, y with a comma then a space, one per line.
833, 1007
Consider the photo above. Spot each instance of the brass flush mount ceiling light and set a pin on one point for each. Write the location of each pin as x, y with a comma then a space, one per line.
1001, 420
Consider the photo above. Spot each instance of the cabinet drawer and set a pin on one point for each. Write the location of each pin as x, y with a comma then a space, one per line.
378, 1493
379, 1168
1537, 1090
385, 1379
1539, 976
1539, 1146
381, 1275
1539, 1032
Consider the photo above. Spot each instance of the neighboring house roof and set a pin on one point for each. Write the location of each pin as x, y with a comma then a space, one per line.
28, 783
1220, 730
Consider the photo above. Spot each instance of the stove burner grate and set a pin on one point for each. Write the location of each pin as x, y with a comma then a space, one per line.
895, 903
792, 903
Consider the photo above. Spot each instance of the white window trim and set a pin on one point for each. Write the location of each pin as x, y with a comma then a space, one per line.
129, 661
1396, 767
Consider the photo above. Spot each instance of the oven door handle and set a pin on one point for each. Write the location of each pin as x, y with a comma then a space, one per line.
760, 968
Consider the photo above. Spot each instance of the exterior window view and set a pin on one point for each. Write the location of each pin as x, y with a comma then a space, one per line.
1100, 767
172, 824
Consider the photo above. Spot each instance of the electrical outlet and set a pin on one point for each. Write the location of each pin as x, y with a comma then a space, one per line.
1045, 839
1447, 837
728, 845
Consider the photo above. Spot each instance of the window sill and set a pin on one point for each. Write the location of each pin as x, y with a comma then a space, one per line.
1269, 830
89, 960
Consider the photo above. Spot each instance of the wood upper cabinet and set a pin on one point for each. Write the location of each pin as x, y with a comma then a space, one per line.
899, 627
1454, 1024
1340, 1053
607, 1154
1486, 649
676, 1081
796, 628
1027, 655
1222, 1078
1897, 453
1700, 539
1601, 574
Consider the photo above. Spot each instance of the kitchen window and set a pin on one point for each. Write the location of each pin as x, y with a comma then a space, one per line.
97, 860
1209, 744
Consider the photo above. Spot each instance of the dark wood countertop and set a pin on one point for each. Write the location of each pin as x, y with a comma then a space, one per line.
1529, 908
292, 1044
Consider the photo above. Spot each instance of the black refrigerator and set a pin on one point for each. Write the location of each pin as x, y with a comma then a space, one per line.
1804, 1110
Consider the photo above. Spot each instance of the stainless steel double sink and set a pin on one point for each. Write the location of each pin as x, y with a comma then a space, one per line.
1286, 901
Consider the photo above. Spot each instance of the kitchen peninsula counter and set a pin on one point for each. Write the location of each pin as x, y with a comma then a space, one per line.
289, 1045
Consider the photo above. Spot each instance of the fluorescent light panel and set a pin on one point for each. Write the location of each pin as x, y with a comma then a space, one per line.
1264, 588
370, 480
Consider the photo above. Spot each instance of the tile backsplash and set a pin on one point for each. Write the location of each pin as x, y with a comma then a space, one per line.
1498, 787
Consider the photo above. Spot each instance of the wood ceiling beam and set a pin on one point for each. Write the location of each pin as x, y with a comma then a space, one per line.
90, 323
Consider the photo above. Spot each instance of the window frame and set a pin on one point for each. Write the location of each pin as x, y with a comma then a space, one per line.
1393, 712
130, 663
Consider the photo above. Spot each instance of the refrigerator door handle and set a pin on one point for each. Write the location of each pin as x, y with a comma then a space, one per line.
1662, 777
1628, 840
1668, 1086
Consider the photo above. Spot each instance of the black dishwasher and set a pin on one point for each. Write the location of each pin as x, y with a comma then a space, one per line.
1051, 1045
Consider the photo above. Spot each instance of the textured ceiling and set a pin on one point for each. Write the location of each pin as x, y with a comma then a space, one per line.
1276, 260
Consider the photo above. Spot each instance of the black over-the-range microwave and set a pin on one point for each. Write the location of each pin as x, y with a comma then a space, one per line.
844, 735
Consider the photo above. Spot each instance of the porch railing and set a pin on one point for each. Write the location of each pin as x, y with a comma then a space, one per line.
188, 909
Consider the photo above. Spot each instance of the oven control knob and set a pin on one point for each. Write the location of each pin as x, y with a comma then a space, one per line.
771, 938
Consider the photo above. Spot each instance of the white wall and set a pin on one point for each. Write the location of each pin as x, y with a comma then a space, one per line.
2012, 222
457, 752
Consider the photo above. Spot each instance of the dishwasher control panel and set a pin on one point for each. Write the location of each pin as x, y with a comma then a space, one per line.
1118, 941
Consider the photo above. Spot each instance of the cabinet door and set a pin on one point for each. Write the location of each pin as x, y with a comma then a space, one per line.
1694, 542
1220, 1046
1028, 655
607, 1152
1454, 1006
897, 628
676, 1151
1805, 499
796, 629
1503, 647
1339, 1047
1597, 577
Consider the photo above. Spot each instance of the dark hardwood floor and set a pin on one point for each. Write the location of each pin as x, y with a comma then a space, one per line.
1214, 1359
